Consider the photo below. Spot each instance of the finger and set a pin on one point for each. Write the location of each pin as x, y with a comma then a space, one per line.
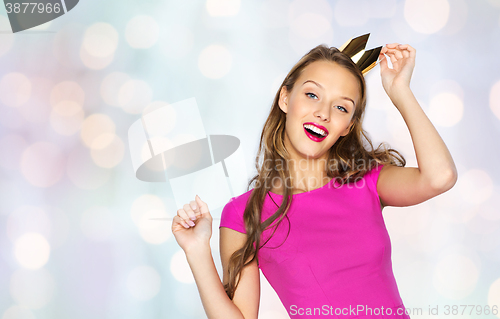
397, 53
412, 51
383, 63
189, 211
392, 57
406, 53
196, 208
202, 204
392, 45
403, 46
384, 50
178, 222
182, 214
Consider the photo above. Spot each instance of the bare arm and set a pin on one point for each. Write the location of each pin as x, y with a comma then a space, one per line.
213, 296
194, 239
436, 172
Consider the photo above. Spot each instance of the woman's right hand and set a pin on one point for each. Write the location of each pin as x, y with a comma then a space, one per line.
192, 226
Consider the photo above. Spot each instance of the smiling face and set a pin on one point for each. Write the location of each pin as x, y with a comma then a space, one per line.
325, 95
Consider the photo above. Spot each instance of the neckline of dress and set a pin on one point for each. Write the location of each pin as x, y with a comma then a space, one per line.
309, 192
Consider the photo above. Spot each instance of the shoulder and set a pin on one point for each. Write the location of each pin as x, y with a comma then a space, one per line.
240, 200
233, 211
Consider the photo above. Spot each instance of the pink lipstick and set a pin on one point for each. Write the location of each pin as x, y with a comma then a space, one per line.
313, 137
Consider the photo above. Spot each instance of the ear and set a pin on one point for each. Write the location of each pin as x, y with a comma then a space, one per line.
283, 100
348, 129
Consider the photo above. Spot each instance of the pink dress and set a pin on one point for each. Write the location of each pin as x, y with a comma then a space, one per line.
336, 261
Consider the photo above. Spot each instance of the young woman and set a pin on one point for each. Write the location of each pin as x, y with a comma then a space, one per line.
313, 222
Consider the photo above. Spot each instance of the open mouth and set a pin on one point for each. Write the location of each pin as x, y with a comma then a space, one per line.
314, 131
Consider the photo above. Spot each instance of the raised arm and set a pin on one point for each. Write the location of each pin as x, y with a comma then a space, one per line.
195, 241
436, 172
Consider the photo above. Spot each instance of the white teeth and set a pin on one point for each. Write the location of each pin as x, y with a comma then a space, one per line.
315, 129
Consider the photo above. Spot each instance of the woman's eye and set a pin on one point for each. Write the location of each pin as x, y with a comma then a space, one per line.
343, 109
311, 95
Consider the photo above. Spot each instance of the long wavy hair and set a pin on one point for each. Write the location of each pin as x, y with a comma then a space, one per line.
347, 152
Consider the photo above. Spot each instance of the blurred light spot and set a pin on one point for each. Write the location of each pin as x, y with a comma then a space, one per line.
134, 95
32, 250
143, 282
446, 109
426, 16
67, 91
42, 164
381, 9
475, 186
12, 147
27, 219
223, 8
100, 40
215, 61
142, 32
495, 99
350, 13
97, 223
32, 288
110, 87
7, 38
18, 312
96, 125
177, 41
66, 117
15, 89
401, 28
494, 294
83, 172
152, 229
143, 204
107, 150
455, 276
95, 62
310, 25
448, 86
180, 268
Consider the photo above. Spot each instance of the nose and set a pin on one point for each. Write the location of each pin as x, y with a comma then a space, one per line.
323, 113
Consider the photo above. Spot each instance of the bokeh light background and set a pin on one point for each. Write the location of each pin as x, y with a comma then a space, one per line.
76, 238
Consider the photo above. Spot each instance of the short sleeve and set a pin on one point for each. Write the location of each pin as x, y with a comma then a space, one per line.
372, 177
232, 217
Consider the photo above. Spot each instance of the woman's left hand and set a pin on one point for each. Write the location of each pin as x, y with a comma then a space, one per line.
403, 61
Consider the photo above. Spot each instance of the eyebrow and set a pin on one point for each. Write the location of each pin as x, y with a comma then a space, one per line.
319, 85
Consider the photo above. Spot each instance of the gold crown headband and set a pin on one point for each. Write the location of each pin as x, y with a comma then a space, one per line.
355, 49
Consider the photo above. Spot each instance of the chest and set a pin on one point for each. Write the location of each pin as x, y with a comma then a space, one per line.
344, 229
